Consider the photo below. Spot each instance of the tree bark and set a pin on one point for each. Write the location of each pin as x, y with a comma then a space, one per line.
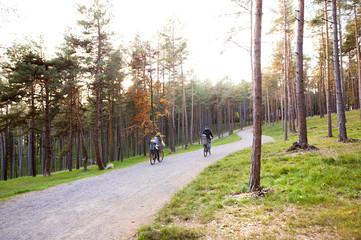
229, 117
111, 140
342, 136
2, 148
82, 137
20, 150
285, 73
302, 139
268, 110
121, 153
219, 118
358, 59
328, 82
255, 176
98, 104
47, 148
185, 117
192, 116
291, 93
4, 168
32, 133
340, 49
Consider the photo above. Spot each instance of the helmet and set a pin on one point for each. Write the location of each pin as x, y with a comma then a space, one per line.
158, 133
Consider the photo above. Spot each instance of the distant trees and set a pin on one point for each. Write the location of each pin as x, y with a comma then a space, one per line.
320, 83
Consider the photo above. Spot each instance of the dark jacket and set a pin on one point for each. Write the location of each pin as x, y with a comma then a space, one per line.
208, 133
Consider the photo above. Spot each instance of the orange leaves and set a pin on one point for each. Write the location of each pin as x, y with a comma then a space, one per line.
352, 212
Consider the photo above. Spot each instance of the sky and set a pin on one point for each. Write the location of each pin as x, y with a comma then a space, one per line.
206, 26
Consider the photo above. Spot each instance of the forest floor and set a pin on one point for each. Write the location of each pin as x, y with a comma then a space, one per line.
108, 206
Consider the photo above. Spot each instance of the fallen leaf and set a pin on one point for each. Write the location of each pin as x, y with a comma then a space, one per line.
352, 212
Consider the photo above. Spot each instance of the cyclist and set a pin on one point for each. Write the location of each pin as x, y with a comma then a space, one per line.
159, 142
208, 134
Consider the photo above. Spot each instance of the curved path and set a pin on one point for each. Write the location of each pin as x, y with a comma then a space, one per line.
109, 206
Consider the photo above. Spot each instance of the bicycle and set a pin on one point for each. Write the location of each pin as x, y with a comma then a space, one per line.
154, 153
206, 149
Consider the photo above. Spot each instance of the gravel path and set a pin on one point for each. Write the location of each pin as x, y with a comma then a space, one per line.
109, 206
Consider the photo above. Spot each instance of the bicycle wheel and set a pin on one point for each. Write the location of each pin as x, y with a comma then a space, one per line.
205, 150
152, 157
161, 156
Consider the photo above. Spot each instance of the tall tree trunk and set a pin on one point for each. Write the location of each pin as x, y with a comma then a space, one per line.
268, 110
121, 153
171, 130
4, 168
358, 59
285, 72
302, 139
82, 137
96, 130
20, 150
98, 104
185, 117
111, 140
321, 82
2, 152
71, 132
281, 109
13, 169
29, 151
32, 134
102, 130
328, 82
126, 141
245, 112
255, 176
251, 45
342, 136
291, 102
47, 149
240, 116
229, 117
199, 121
192, 116
340, 49
78, 154
219, 118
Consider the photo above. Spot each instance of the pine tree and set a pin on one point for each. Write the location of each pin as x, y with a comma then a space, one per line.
255, 176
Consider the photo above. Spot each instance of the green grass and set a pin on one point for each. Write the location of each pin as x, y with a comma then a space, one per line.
313, 194
229, 139
21, 185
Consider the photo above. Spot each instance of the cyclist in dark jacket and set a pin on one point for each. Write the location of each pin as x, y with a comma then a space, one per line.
208, 134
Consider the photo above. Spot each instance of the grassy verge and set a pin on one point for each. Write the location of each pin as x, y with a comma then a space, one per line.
21, 185
228, 139
308, 195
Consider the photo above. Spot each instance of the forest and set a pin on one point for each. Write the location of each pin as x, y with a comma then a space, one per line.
74, 109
